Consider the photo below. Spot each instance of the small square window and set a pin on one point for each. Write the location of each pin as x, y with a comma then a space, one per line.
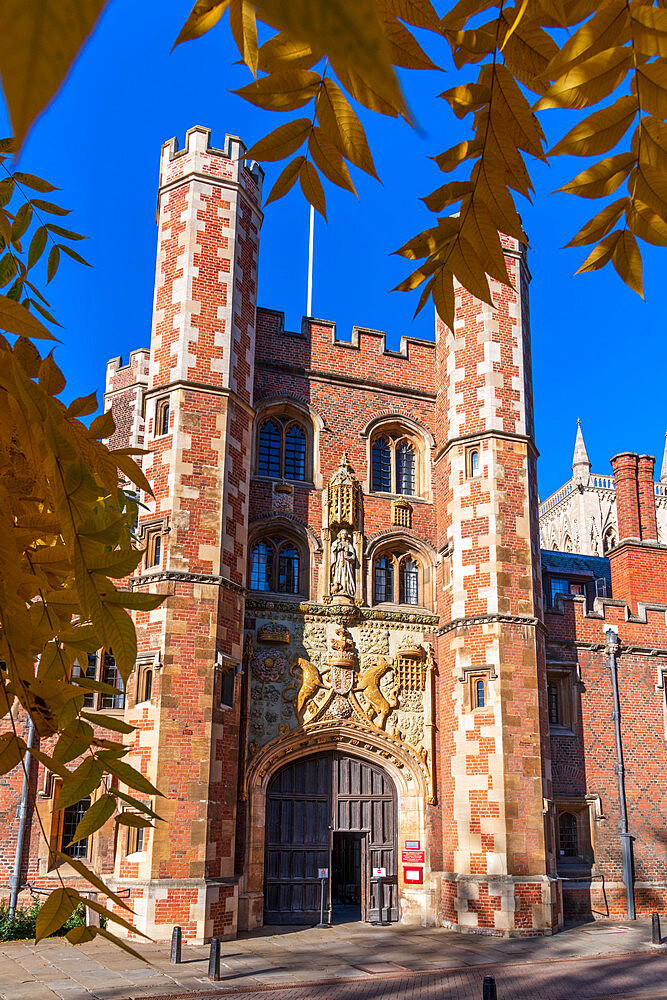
561, 697
227, 685
135, 839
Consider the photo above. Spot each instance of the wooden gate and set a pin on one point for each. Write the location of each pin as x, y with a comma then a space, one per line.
307, 802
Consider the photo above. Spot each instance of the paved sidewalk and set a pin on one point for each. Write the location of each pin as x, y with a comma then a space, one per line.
351, 962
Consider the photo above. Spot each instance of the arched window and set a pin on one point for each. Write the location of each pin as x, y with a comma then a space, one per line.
268, 452
567, 544
282, 449
162, 417
474, 462
395, 464
295, 453
480, 694
148, 685
567, 835
288, 570
384, 579
261, 567
405, 469
277, 565
396, 577
408, 574
381, 466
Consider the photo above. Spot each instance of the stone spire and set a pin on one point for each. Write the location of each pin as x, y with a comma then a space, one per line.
581, 465
663, 470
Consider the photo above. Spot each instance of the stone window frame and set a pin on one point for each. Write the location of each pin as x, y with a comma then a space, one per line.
584, 809
149, 532
278, 530
148, 662
291, 411
471, 450
94, 699
227, 666
54, 824
405, 545
400, 428
469, 677
162, 404
565, 675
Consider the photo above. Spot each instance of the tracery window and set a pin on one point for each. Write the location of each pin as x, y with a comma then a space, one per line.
277, 565
609, 539
282, 449
394, 466
396, 577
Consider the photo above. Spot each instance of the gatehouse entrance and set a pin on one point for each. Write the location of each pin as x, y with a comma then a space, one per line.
336, 812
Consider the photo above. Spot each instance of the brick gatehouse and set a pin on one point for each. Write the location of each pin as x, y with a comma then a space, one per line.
365, 663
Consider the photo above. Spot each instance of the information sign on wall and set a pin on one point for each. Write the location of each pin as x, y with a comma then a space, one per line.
323, 873
413, 875
379, 872
413, 857
413, 845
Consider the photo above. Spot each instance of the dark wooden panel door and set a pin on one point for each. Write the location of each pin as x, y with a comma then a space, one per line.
306, 802
298, 820
365, 800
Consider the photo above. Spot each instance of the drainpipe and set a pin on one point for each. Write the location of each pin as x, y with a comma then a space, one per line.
15, 880
626, 839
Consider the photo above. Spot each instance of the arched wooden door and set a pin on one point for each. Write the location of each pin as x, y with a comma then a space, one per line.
321, 811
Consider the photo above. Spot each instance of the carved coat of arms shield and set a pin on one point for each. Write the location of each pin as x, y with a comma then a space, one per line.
342, 679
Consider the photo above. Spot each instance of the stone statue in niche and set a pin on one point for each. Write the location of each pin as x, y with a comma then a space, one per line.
343, 564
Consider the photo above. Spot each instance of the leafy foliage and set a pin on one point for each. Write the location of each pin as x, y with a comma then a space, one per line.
66, 534
24, 923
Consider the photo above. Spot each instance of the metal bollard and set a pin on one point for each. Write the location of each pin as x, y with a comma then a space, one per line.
214, 960
656, 937
175, 956
489, 989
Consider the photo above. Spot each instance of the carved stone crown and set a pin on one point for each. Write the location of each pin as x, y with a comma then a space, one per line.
273, 632
343, 497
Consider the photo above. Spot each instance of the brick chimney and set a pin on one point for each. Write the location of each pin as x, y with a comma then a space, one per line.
646, 493
638, 561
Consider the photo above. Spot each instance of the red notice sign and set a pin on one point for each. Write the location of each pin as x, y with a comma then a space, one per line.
412, 857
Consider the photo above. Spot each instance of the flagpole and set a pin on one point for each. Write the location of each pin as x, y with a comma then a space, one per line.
309, 308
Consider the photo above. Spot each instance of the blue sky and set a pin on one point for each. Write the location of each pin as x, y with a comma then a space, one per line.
598, 351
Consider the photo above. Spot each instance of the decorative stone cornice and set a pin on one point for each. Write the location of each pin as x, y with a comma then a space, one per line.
506, 619
335, 611
170, 575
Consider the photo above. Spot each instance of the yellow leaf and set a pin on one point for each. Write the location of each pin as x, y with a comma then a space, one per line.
444, 299
627, 261
509, 103
456, 18
134, 600
327, 157
588, 82
83, 781
12, 749
405, 49
430, 241
283, 52
94, 817
563, 13
467, 267
107, 722
111, 915
364, 92
132, 471
473, 45
137, 804
283, 141
51, 379
284, 90
58, 908
609, 26
650, 139
601, 254
349, 31
244, 29
15, 318
312, 188
520, 11
342, 126
130, 776
102, 426
599, 132
452, 157
82, 406
602, 178
466, 97
600, 224
646, 224
419, 13
287, 179
132, 819
651, 188
479, 231
203, 16
651, 84
447, 194
500, 147
38, 44
120, 943
118, 633
91, 877
528, 52
81, 934
491, 188
649, 30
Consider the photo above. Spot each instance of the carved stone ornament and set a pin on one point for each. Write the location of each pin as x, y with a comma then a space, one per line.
273, 632
343, 497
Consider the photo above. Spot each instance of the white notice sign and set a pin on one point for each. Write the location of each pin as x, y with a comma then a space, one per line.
379, 872
323, 873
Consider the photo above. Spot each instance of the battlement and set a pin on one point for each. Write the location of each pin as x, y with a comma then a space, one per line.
317, 346
120, 376
570, 618
199, 158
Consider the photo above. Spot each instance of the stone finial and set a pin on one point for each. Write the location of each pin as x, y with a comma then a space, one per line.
663, 470
581, 465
